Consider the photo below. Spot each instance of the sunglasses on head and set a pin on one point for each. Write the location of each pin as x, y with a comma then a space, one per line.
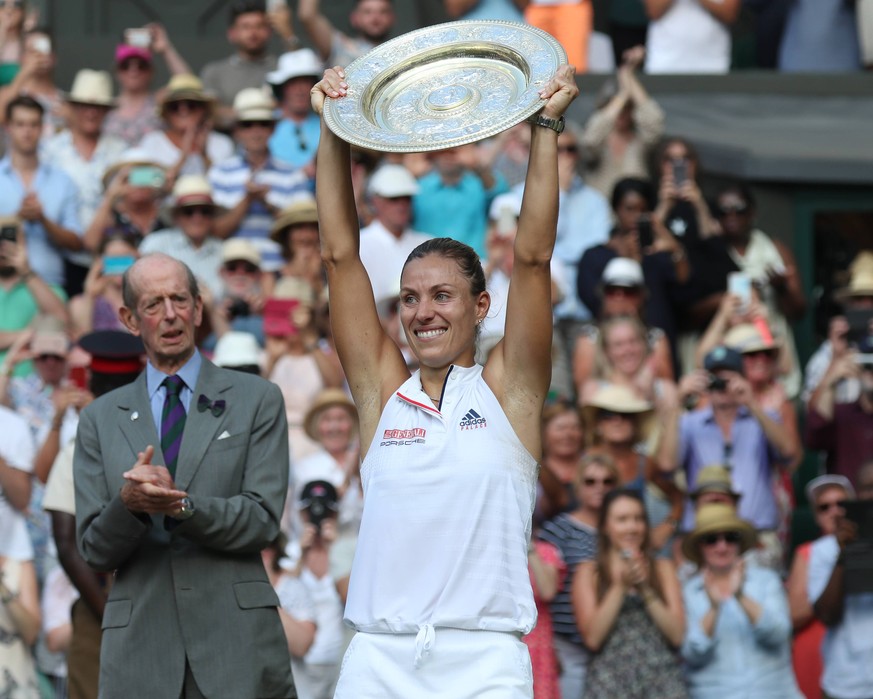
190, 105
727, 537
253, 124
202, 210
240, 266
737, 209
825, 506
591, 482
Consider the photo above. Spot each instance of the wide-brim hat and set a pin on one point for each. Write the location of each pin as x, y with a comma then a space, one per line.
714, 478
235, 349
746, 338
240, 249
184, 86
50, 342
861, 279
302, 210
713, 519
191, 190
91, 87
328, 398
619, 399
294, 64
132, 157
254, 104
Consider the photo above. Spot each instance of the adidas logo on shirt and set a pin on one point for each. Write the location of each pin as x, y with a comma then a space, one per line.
473, 421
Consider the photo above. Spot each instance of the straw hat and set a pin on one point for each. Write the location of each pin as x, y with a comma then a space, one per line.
714, 478
184, 86
328, 398
91, 87
192, 190
713, 519
302, 210
619, 399
254, 104
747, 338
861, 279
240, 249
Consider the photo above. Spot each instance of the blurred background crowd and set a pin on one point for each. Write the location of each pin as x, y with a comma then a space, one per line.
708, 445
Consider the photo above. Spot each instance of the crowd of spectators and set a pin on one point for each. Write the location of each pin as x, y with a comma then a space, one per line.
679, 409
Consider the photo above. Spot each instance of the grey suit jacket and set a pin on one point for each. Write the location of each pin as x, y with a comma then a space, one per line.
198, 589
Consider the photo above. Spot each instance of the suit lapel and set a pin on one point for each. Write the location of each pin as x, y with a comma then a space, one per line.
201, 428
135, 419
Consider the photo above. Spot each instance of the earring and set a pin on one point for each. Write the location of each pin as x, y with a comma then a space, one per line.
479, 322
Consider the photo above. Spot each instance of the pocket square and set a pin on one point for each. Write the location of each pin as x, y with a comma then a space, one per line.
223, 435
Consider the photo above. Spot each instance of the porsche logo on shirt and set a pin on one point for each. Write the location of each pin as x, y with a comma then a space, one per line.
399, 438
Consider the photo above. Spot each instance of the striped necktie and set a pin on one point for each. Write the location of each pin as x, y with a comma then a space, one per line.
172, 422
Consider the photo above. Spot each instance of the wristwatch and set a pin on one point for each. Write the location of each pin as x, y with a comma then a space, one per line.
186, 511
556, 125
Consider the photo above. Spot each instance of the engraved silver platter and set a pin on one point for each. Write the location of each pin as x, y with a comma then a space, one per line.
444, 86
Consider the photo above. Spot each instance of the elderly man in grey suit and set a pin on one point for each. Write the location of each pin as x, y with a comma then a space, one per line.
180, 480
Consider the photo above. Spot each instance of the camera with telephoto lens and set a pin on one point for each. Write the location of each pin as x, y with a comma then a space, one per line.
319, 500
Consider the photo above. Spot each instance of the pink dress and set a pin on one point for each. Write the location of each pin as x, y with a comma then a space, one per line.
543, 659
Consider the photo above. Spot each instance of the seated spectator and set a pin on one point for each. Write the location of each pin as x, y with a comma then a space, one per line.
372, 21
130, 205
690, 36
96, 308
192, 240
296, 231
844, 430
39, 193
820, 36
826, 495
454, 197
241, 306
855, 297
574, 534
626, 126
186, 143
249, 33
295, 139
252, 186
734, 430
847, 615
629, 608
623, 293
570, 22
136, 113
508, 10
35, 79
739, 628
388, 240
563, 447
639, 234
20, 622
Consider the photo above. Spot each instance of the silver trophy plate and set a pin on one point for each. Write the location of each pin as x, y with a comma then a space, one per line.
444, 86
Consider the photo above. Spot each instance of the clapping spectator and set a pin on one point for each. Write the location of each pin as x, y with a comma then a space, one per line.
253, 186
690, 36
620, 134
136, 113
739, 628
629, 608
372, 21
186, 145
295, 138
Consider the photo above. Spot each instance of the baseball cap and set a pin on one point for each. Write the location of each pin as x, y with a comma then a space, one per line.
723, 358
622, 271
49, 343
826, 481
391, 181
125, 51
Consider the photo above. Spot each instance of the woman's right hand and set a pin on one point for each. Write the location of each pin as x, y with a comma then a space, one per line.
95, 283
332, 85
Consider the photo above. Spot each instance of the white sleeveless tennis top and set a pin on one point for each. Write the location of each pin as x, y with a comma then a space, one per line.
448, 499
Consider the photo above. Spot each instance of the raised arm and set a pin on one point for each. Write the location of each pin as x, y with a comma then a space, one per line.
373, 364
519, 368
318, 26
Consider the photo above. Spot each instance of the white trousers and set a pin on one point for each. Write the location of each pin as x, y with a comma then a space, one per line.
436, 664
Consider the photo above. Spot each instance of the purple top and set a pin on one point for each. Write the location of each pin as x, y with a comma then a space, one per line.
749, 456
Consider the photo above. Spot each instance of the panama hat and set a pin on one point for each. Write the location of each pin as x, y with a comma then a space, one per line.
746, 338
192, 190
712, 519
301, 210
184, 86
91, 87
254, 104
619, 399
714, 478
860, 280
328, 398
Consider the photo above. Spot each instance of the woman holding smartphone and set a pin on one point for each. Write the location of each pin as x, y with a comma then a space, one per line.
450, 452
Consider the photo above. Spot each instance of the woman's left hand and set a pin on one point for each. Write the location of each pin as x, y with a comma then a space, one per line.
560, 91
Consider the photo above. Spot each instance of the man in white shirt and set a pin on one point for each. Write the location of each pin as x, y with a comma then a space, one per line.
388, 240
16, 467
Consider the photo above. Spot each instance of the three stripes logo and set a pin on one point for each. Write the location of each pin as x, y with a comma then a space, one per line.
473, 421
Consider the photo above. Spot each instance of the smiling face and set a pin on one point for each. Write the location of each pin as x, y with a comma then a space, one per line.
165, 313
563, 434
625, 349
438, 311
625, 524
593, 485
335, 428
720, 551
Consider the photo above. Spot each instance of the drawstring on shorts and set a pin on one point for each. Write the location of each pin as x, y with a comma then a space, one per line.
424, 643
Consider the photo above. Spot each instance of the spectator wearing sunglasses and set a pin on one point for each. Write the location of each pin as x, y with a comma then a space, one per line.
738, 640
192, 238
826, 496
769, 264
253, 186
136, 110
241, 306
